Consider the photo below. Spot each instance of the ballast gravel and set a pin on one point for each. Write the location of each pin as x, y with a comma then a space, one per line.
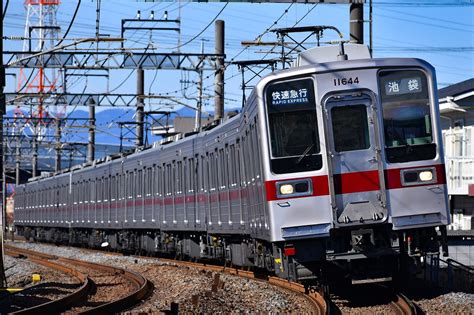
191, 288
18, 271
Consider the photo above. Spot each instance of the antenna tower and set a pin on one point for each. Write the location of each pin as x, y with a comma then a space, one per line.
41, 34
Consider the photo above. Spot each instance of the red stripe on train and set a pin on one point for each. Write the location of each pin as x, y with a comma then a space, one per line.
348, 183
320, 187
343, 183
393, 178
355, 182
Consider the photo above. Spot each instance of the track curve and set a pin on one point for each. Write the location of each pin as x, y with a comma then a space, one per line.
143, 287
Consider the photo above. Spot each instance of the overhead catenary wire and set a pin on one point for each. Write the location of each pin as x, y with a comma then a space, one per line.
247, 46
203, 30
5, 9
71, 23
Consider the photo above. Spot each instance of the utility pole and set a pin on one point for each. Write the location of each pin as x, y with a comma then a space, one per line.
17, 161
91, 142
357, 23
198, 123
34, 161
219, 74
57, 134
3, 280
140, 106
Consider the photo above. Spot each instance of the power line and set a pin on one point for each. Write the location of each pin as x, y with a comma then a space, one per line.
424, 3
71, 23
203, 30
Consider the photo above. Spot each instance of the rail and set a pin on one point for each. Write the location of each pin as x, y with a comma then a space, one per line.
316, 299
404, 305
143, 286
59, 305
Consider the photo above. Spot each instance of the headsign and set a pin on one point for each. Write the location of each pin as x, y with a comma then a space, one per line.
291, 93
403, 86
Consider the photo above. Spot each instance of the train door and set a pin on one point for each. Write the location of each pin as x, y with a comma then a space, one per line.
355, 167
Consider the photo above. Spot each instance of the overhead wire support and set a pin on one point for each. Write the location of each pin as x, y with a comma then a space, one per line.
249, 65
282, 33
125, 27
102, 60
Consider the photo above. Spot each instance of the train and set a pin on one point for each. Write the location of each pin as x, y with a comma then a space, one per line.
333, 166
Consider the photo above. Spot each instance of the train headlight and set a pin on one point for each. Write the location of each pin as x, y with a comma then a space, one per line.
286, 189
420, 176
426, 176
294, 188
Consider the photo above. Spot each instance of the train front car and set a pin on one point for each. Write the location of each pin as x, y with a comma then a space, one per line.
355, 177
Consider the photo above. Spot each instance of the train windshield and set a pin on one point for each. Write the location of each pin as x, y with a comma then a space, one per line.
407, 119
294, 138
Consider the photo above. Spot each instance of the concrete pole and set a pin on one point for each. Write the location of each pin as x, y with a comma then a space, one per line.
219, 76
357, 23
17, 163
3, 279
198, 123
139, 117
34, 161
91, 142
57, 164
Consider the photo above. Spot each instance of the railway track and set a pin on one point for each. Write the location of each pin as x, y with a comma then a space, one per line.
96, 280
374, 298
405, 306
315, 299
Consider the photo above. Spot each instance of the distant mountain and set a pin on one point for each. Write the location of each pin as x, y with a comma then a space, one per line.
107, 127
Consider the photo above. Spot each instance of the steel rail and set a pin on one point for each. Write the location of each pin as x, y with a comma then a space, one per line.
404, 305
315, 298
144, 287
318, 302
64, 303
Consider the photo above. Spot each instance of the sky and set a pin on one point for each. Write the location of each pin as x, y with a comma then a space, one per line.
441, 32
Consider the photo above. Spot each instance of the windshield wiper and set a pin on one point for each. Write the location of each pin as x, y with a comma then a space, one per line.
305, 153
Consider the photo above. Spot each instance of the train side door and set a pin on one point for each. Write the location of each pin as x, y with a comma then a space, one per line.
355, 168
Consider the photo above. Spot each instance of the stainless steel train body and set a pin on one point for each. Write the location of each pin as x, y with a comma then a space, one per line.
337, 162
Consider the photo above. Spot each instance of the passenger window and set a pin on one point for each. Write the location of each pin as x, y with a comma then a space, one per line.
350, 128
407, 117
293, 126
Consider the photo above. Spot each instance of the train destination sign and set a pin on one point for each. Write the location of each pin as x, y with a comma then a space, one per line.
290, 93
403, 86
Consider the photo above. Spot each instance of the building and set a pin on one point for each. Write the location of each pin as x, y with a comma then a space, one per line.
456, 104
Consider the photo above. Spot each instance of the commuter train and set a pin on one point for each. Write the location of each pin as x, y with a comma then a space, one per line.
335, 164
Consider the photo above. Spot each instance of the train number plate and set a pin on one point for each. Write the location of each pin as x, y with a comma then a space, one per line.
346, 81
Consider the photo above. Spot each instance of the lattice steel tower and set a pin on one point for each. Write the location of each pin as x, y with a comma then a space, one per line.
41, 34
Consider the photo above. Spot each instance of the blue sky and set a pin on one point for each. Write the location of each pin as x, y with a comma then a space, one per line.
441, 32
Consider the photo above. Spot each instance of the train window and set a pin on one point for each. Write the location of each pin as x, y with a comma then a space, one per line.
178, 174
232, 165
107, 189
240, 156
168, 179
350, 128
158, 181
185, 175
204, 174
127, 185
293, 127
190, 171
139, 183
166, 174
222, 169
408, 131
113, 188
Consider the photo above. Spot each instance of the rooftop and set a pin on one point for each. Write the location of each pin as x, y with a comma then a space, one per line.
457, 89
